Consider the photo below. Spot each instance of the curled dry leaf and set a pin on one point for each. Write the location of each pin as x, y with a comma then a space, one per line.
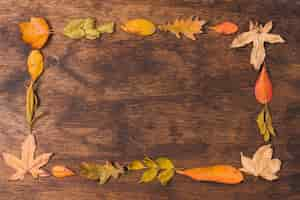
258, 35
219, 173
264, 123
35, 64
261, 164
27, 163
187, 27
226, 28
142, 27
60, 171
35, 32
31, 104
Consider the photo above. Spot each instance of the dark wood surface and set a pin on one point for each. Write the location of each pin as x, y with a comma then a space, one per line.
123, 96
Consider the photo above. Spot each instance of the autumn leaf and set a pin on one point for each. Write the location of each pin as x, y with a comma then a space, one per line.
261, 164
263, 87
187, 27
35, 32
142, 27
264, 123
27, 163
60, 171
31, 104
258, 35
101, 172
226, 28
35, 64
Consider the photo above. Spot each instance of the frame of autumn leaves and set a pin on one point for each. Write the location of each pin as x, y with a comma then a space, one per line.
36, 33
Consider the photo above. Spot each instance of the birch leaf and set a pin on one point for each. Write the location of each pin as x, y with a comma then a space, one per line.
35, 64
261, 164
27, 164
142, 27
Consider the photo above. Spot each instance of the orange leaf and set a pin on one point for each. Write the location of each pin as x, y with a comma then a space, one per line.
225, 28
263, 87
187, 27
35, 32
60, 171
35, 64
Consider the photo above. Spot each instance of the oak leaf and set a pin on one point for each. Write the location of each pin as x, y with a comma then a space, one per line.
187, 27
27, 163
261, 164
35, 32
258, 35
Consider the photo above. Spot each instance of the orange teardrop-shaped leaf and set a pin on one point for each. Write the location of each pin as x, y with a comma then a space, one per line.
263, 87
35, 32
35, 64
225, 28
60, 171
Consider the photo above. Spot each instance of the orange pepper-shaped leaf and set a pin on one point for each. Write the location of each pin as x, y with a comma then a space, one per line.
60, 171
35, 32
225, 28
218, 173
263, 87
35, 64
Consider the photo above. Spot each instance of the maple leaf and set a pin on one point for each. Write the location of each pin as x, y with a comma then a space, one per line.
35, 32
258, 35
27, 163
261, 164
187, 27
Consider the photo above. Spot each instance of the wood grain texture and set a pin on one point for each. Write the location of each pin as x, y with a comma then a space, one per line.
123, 96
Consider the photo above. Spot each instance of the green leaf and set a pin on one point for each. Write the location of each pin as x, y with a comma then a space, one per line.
150, 163
106, 28
164, 163
74, 29
261, 122
165, 176
136, 165
149, 175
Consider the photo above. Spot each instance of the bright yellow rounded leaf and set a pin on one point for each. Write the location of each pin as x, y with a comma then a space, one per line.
35, 64
140, 27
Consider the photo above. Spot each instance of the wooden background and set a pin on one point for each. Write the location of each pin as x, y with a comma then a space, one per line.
123, 96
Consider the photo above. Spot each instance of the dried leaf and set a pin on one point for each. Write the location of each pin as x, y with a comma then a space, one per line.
257, 34
101, 172
188, 27
106, 28
27, 163
140, 27
74, 29
61, 171
226, 28
35, 64
136, 165
149, 175
263, 87
264, 123
35, 32
149, 163
165, 176
261, 164
31, 104
164, 163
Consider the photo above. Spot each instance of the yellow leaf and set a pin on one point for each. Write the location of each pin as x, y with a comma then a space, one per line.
136, 165
60, 171
31, 103
140, 27
188, 27
149, 175
35, 32
35, 64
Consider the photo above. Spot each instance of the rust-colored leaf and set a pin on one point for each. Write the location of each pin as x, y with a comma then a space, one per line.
226, 28
35, 32
263, 87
